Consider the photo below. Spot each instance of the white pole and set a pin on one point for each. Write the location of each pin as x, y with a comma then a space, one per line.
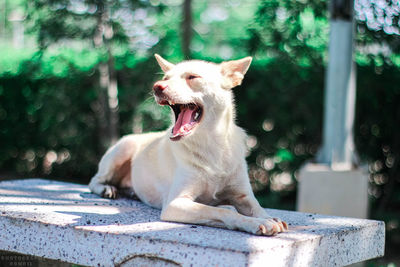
338, 145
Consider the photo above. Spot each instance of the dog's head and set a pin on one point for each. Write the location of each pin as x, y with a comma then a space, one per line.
198, 92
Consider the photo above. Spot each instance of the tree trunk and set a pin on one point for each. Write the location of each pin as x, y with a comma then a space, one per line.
113, 103
186, 28
108, 111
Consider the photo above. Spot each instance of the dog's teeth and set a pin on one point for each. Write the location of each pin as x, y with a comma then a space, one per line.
196, 115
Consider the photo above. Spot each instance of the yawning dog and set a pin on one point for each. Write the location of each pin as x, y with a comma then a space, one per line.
199, 162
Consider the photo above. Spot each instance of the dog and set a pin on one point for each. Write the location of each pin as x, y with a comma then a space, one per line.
197, 166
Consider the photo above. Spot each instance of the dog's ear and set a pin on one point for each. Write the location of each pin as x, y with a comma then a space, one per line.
234, 71
164, 64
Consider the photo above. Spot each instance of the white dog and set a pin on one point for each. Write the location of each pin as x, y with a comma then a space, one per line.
196, 164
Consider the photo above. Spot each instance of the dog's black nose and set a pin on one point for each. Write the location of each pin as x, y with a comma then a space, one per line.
159, 87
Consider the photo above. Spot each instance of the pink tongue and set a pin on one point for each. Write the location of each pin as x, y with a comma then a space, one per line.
183, 123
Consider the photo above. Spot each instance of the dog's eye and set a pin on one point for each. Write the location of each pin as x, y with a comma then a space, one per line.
165, 78
192, 76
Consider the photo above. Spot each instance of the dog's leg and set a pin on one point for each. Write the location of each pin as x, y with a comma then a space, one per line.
183, 209
246, 204
114, 170
241, 196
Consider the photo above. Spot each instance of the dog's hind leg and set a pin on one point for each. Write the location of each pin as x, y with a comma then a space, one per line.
114, 170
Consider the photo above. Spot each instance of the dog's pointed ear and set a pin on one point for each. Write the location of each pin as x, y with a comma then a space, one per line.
164, 64
234, 71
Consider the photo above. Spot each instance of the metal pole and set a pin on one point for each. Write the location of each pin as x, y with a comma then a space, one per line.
338, 145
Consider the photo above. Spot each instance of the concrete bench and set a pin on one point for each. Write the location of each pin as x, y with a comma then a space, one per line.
64, 221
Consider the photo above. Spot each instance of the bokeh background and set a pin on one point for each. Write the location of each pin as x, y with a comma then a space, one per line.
75, 75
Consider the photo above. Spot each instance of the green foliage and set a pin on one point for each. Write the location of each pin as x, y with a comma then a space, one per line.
293, 36
285, 116
295, 31
48, 124
49, 98
55, 21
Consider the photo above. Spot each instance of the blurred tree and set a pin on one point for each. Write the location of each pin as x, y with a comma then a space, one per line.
291, 38
378, 24
52, 107
186, 28
220, 28
296, 31
89, 23
12, 14
378, 44
103, 34
49, 101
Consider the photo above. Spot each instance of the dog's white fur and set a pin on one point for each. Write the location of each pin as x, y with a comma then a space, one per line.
188, 178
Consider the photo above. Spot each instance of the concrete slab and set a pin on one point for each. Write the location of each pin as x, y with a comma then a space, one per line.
64, 221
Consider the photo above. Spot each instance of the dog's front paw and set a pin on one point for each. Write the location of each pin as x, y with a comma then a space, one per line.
109, 191
270, 226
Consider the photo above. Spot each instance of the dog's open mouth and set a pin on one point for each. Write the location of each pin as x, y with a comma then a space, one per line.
187, 117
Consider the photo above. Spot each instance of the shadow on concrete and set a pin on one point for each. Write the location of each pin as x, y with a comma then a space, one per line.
312, 239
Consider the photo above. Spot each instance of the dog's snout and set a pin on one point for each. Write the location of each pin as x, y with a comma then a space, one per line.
159, 87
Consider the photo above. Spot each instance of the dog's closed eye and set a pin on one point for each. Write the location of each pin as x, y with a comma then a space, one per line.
192, 76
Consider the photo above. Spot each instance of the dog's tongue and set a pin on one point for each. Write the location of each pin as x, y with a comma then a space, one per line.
184, 122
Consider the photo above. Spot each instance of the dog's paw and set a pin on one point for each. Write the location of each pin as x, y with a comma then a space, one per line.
271, 226
109, 192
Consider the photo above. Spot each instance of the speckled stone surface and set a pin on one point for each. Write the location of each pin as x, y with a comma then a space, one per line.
66, 222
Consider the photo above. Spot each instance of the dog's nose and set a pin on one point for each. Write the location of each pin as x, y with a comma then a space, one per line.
159, 87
